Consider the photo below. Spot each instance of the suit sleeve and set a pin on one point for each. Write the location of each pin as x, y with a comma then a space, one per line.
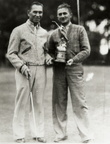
13, 49
84, 46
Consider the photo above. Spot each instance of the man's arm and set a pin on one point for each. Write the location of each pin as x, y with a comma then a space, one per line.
49, 50
48, 58
13, 49
50, 46
12, 54
84, 47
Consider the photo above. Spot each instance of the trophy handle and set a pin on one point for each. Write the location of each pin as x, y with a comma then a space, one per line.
56, 24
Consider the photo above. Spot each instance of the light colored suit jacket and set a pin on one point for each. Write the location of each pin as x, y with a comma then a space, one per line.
26, 45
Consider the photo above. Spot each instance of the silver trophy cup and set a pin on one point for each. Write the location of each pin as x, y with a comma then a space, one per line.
61, 53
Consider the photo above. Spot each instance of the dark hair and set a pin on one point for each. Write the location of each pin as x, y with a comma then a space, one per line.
35, 3
65, 5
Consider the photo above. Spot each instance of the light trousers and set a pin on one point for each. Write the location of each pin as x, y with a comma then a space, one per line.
62, 80
38, 81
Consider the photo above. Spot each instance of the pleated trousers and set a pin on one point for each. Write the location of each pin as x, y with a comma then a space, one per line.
62, 80
38, 82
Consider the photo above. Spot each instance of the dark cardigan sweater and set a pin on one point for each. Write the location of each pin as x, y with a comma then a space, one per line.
78, 47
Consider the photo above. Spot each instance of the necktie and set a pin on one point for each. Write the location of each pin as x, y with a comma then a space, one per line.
64, 32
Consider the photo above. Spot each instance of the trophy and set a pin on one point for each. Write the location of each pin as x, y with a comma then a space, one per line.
61, 47
61, 51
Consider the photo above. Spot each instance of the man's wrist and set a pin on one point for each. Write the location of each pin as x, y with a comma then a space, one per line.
21, 67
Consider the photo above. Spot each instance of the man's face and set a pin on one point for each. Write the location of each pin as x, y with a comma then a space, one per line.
64, 16
35, 14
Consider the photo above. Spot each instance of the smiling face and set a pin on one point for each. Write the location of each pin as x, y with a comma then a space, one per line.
35, 13
64, 16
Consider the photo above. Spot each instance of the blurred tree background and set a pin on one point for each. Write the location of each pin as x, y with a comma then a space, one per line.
92, 12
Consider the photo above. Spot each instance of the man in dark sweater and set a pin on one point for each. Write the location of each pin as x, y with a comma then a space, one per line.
69, 46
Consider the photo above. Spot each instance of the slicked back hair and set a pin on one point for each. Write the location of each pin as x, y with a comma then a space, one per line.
35, 3
65, 5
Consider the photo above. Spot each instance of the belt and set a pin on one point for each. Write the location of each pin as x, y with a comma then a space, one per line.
33, 64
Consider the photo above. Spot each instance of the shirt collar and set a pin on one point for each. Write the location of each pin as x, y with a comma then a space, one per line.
32, 24
67, 26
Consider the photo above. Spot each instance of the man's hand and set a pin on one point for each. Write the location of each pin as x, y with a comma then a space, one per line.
25, 71
69, 62
49, 61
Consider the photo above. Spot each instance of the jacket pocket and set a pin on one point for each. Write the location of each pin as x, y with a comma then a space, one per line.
26, 50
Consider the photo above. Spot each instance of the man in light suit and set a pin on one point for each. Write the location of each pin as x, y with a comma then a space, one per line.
69, 47
26, 53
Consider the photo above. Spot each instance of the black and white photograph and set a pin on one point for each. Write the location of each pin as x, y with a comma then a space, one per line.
55, 71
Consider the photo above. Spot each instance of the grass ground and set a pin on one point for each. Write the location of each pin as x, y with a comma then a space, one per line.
98, 97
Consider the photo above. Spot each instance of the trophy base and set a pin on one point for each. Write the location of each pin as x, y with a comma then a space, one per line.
60, 61
60, 57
